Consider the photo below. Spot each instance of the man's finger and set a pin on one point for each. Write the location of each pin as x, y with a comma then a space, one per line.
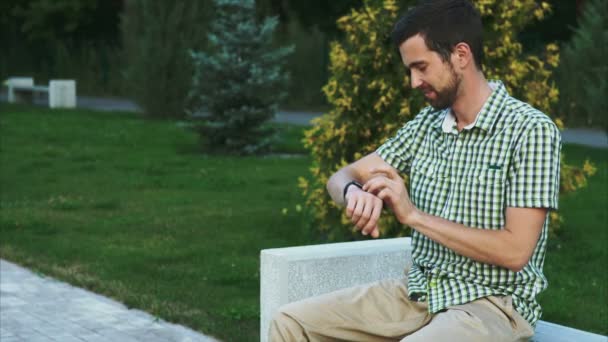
357, 211
387, 195
375, 215
389, 171
375, 232
376, 184
350, 206
365, 215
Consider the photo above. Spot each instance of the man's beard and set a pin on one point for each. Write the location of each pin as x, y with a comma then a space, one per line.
446, 97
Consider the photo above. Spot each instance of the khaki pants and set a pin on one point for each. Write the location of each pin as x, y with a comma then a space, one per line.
382, 312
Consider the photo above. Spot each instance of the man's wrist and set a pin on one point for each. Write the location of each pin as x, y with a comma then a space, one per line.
348, 185
414, 219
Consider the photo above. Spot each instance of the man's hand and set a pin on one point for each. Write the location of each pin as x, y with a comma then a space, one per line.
388, 186
364, 210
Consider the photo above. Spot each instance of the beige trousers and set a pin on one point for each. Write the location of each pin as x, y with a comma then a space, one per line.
382, 311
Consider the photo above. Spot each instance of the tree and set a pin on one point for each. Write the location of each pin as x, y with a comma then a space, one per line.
371, 97
239, 81
583, 73
156, 37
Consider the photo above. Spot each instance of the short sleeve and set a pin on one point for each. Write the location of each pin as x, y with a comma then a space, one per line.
533, 179
399, 150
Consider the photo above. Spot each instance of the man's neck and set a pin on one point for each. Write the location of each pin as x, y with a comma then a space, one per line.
471, 97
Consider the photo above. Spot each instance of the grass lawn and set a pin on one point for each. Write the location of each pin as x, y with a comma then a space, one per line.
129, 208
578, 283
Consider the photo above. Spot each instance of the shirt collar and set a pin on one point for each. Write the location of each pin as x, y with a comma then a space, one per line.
487, 115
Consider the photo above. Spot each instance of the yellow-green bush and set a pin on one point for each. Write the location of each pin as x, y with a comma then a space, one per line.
371, 97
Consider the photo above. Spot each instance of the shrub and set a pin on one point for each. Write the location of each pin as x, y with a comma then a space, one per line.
583, 73
371, 97
156, 37
240, 80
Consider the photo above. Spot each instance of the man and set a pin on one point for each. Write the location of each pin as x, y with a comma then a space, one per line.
484, 172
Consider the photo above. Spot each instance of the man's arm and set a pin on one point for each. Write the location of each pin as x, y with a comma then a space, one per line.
510, 247
361, 207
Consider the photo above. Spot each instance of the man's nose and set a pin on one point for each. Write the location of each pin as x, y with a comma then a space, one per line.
415, 80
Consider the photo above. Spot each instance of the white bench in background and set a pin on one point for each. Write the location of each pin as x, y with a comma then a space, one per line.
61, 93
293, 273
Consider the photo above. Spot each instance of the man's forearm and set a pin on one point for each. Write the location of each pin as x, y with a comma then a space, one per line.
497, 247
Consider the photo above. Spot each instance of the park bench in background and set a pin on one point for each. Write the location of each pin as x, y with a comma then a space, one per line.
290, 274
61, 93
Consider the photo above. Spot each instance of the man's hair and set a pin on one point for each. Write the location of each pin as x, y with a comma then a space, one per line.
443, 24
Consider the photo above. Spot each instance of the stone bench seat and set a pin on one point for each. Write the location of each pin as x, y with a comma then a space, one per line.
293, 273
61, 93
34, 89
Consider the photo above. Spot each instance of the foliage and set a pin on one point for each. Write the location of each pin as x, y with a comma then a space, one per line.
156, 39
240, 80
319, 14
583, 73
73, 39
371, 96
307, 66
47, 22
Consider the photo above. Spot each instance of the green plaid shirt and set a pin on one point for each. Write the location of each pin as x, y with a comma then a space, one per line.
509, 157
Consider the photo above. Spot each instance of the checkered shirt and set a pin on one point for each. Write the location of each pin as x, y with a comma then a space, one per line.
509, 157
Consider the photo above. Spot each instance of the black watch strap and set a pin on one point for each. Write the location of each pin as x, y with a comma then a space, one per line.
355, 183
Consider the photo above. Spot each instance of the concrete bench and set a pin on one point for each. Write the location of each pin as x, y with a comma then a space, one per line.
61, 93
290, 274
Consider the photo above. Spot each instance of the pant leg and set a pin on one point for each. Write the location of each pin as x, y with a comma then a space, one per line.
491, 319
376, 312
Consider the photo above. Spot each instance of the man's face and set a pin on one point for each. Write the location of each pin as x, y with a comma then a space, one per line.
437, 79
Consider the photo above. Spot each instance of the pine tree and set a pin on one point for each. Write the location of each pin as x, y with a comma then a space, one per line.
239, 81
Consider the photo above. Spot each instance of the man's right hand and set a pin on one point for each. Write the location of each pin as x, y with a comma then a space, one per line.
364, 210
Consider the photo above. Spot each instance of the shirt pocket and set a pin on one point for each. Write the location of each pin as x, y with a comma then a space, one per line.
481, 197
428, 186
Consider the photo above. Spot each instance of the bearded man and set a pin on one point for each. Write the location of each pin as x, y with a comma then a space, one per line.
484, 174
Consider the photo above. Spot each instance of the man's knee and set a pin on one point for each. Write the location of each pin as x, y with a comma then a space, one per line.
284, 327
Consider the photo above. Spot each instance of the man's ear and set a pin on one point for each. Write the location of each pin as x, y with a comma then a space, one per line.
462, 55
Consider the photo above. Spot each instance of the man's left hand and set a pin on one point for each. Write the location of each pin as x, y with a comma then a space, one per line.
388, 185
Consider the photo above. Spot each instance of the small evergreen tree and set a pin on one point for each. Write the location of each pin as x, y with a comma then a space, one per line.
239, 81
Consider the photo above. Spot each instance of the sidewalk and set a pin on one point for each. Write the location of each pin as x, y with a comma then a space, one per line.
37, 308
112, 104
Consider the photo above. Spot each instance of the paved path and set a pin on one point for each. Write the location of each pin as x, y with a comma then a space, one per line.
586, 136
112, 104
37, 308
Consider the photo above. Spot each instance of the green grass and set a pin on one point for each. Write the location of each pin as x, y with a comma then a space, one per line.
576, 260
289, 139
129, 208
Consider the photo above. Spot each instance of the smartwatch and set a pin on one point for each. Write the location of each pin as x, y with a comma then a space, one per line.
355, 183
